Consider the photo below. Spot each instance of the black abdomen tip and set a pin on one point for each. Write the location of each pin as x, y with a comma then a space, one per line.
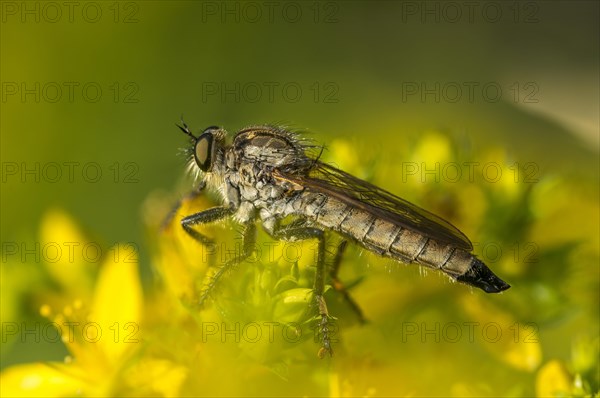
479, 275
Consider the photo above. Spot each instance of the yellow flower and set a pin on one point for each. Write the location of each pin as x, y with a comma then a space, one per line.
257, 334
102, 329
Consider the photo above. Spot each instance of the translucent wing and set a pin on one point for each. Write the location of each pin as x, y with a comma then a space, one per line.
353, 191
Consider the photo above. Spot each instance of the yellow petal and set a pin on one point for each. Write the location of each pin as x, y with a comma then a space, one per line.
117, 304
553, 380
67, 255
40, 380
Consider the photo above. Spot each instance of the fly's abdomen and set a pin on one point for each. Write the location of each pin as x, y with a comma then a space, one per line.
459, 264
390, 240
385, 238
413, 247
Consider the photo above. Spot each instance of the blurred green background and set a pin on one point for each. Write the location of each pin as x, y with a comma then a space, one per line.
97, 87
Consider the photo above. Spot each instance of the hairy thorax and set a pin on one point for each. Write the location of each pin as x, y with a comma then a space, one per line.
249, 188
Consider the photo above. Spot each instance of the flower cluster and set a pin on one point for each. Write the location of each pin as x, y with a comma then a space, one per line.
258, 335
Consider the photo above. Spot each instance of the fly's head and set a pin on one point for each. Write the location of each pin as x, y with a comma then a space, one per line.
206, 153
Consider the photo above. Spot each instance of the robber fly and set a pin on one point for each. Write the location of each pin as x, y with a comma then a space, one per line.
269, 173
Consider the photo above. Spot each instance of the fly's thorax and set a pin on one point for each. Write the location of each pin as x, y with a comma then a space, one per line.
250, 187
249, 167
270, 155
230, 159
257, 186
267, 202
273, 147
237, 179
282, 207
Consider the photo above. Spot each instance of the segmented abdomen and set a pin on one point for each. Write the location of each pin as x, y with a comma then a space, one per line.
383, 237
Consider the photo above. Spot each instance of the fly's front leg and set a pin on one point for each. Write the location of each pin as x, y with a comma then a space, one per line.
215, 273
294, 232
204, 217
190, 196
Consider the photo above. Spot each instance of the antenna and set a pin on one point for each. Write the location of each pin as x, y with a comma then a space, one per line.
185, 129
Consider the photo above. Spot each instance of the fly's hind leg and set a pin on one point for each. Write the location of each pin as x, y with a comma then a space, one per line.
339, 286
294, 232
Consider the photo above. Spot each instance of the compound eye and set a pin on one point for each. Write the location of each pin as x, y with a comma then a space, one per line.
204, 151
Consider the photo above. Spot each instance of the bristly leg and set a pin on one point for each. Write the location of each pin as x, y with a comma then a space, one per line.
293, 232
204, 217
338, 285
214, 274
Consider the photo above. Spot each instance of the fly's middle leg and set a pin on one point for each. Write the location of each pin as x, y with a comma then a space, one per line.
339, 286
204, 217
294, 232
214, 274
